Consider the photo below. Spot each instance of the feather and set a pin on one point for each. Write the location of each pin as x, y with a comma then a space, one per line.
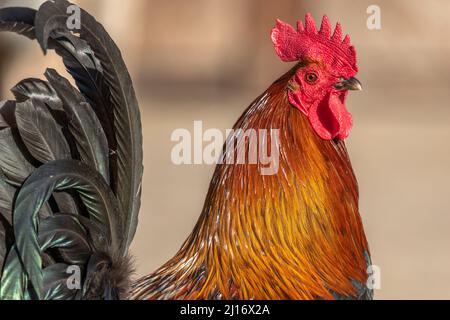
83, 124
13, 285
37, 90
55, 283
85, 68
4, 241
127, 176
103, 131
40, 132
107, 278
7, 110
94, 230
45, 141
65, 233
62, 175
98, 263
66, 203
3, 123
13, 163
18, 20
7, 193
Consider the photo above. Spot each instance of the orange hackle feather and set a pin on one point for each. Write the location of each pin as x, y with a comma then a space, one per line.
293, 235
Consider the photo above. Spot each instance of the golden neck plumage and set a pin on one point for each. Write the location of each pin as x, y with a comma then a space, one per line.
293, 235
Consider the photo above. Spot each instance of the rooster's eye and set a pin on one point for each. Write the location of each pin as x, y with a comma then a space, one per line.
311, 77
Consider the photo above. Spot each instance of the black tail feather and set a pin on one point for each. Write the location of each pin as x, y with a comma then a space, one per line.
98, 67
70, 164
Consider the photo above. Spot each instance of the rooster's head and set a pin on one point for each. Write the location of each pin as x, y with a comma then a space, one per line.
325, 72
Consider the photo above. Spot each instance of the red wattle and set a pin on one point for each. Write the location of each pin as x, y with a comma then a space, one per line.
340, 113
330, 119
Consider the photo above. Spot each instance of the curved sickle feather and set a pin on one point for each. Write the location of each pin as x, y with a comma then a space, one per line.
18, 20
56, 176
116, 82
68, 235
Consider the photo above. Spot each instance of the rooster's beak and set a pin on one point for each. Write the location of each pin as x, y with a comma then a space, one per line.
349, 84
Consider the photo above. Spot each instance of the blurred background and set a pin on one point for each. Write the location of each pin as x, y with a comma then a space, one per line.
208, 59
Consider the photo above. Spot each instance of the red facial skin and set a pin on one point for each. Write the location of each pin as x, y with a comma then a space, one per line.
312, 92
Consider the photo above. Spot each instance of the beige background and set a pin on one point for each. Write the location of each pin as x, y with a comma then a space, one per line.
208, 59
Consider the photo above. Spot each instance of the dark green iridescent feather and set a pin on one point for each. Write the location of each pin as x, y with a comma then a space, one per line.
60, 176
13, 284
67, 234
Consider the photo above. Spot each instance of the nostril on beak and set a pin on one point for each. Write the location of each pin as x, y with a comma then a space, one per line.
349, 84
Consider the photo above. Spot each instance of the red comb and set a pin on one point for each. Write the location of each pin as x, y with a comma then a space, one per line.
308, 43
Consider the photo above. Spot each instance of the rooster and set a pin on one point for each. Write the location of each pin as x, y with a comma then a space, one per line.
71, 169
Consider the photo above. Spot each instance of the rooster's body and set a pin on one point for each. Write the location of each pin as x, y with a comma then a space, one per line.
71, 168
